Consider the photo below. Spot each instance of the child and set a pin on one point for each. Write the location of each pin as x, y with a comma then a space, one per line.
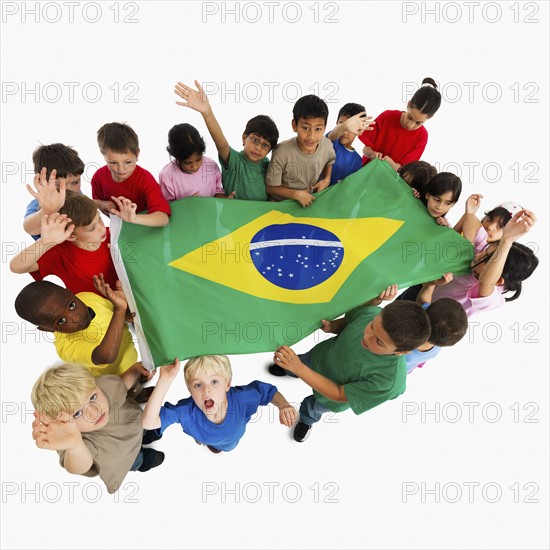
89, 330
302, 165
362, 367
216, 414
351, 122
92, 423
499, 268
190, 173
449, 324
491, 227
399, 136
121, 187
243, 173
74, 245
441, 194
57, 168
417, 174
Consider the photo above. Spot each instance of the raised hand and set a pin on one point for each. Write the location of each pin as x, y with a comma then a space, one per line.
194, 99
47, 194
54, 228
116, 296
60, 434
520, 224
126, 209
473, 203
169, 372
359, 123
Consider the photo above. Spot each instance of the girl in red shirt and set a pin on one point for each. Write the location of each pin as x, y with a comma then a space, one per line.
399, 136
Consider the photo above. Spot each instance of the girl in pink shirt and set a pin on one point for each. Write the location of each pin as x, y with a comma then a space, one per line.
499, 268
190, 173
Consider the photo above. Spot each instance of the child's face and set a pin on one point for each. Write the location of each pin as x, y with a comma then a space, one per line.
191, 164
346, 139
255, 147
93, 233
72, 182
121, 165
412, 118
209, 392
64, 312
310, 132
494, 229
377, 340
93, 412
439, 205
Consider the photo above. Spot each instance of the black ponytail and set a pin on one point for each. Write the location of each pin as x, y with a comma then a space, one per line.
520, 264
427, 99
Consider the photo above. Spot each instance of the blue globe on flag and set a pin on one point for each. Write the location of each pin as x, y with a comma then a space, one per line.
296, 256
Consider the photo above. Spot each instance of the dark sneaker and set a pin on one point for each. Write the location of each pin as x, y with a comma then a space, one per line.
151, 459
275, 370
150, 436
301, 432
213, 449
144, 394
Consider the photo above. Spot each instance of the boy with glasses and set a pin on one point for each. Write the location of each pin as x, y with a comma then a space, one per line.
244, 172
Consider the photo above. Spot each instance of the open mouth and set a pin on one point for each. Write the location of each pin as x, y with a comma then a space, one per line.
208, 404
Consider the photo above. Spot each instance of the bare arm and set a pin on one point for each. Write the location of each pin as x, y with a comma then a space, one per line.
125, 209
426, 293
520, 224
150, 420
198, 101
305, 198
107, 351
287, 359
53, 231
324, 182
287, 413
369, 153
63, 434
356, 124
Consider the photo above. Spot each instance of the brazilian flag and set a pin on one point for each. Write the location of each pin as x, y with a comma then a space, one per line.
230, 276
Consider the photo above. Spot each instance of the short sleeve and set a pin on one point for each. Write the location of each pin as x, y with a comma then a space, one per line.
274, 175
170, 414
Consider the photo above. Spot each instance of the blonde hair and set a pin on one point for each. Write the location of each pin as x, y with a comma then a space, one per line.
207, 364
62, 389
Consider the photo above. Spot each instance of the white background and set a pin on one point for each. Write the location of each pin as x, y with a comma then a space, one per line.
359, 481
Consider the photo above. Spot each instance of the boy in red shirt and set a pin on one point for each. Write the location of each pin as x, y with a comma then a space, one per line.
121, 187
74, 246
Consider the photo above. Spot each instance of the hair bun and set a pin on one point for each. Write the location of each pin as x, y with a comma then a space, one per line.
430, 82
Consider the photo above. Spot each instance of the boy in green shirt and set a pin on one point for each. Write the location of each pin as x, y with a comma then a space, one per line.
243, 173
361, 367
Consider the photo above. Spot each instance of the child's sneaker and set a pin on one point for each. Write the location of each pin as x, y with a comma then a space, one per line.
151, 459
301, 432
213, 449
275, 370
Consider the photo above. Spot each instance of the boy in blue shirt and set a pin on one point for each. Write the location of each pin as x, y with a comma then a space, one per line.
57, 168
216, 414
352, 122
449, 324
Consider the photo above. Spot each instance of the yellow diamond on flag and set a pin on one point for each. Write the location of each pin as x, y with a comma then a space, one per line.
287, 258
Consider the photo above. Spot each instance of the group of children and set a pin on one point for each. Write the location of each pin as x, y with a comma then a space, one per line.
88, 409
